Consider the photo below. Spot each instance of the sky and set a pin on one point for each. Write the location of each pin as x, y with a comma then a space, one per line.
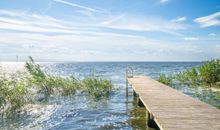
110, 30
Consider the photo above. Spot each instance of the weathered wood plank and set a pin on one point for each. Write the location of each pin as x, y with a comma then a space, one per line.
173, 110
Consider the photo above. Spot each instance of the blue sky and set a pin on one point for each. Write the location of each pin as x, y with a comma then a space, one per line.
110, 30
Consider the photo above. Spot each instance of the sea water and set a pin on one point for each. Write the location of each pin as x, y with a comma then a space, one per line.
81, 112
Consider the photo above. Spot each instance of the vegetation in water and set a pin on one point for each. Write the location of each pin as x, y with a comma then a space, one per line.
208, 75
104, 89
34, 85
165, 79
49, 84
13, 93
205, 76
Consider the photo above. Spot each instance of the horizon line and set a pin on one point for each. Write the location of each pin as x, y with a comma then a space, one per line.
102, 61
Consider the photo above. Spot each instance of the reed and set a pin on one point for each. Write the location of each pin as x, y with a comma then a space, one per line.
165, 79
97, 87
25, 87
208, 75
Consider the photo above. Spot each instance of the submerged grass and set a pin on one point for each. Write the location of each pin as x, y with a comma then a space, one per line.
23, 88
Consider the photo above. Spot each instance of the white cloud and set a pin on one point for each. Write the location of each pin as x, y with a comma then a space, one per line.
31, 28
180, 19
145, 24
212, 34
13, 21
49, 38
113, 19
10, 13
29, 22
77, 5
164, 1
98, 47
208, 21
104, 47
191, 38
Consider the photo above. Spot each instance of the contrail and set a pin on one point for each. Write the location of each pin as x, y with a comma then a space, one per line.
77, 5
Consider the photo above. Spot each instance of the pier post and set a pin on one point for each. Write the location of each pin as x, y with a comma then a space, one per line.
126, 76
134, 94
140, 103
150, 121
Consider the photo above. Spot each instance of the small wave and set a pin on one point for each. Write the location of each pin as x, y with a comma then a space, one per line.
39, 114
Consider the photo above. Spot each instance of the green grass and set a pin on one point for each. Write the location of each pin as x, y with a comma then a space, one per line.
13, 93
165, 79
208, 75
22, 88
210, 72
97, 87
49, 84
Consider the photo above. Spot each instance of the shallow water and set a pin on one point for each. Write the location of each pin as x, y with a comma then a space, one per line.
81, 112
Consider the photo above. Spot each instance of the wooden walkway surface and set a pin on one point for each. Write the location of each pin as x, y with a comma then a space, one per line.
173, 110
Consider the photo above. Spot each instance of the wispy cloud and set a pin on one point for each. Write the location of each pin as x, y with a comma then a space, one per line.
180, 19
35, 23
212, 34
191, 38
164, 1
77, 5
73, 41
151, 24
208, 21
48, 8
113, 19
12, 20
104, 47
9, 13
110, 37
30, 22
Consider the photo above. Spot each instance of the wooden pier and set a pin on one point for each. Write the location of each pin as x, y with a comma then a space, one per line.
171, 109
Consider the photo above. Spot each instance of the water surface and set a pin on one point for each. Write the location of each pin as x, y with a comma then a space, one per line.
81, 112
